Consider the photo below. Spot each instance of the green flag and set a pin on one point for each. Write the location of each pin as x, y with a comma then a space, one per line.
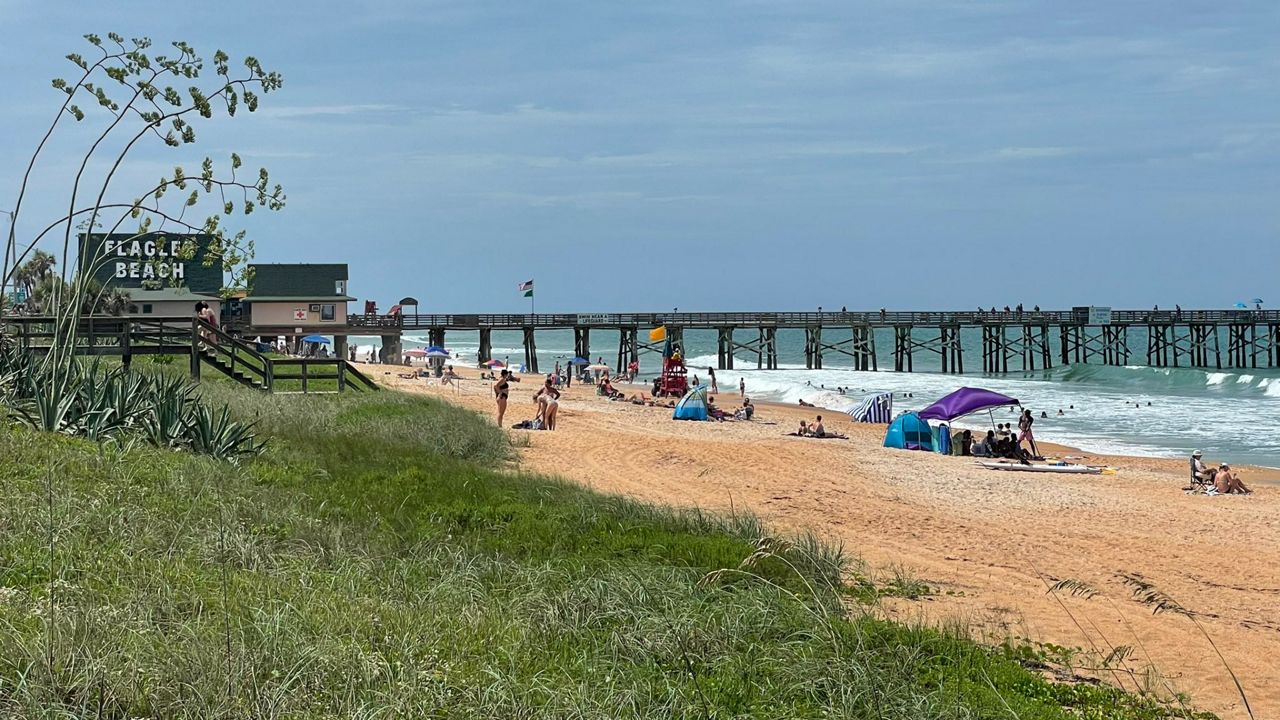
528, 293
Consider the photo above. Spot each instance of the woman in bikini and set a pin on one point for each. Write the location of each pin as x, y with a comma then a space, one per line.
501, 389
549, 398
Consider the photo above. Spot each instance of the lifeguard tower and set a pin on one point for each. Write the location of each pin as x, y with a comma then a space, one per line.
674, 380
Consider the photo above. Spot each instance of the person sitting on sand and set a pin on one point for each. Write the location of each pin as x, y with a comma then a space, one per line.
1015, 452
1002, 432
804, 429
716, 412
983, 448
817, 429
1226, 482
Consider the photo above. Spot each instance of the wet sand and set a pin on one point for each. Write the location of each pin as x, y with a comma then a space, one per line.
987, 543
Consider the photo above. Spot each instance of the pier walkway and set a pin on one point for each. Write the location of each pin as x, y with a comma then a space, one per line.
1011, 340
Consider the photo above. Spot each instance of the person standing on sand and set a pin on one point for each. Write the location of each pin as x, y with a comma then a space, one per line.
501, 389
1024, 425
714, 387
548, 398
742, 387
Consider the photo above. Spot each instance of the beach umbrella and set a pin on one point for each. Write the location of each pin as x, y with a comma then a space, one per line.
316, 339
598, 367
965, 401
436, 348
1242, 306
437, 353
1258, 301
415, 352
579, 361
494, 364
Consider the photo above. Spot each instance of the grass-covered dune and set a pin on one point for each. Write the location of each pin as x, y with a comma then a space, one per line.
382, 560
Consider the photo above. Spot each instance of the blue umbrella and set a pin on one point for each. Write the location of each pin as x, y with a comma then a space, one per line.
436, 349
579, 361
1258, 301
316, 339
437, 353
1242, 306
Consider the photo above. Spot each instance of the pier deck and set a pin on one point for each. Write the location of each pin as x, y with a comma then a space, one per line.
1010, 340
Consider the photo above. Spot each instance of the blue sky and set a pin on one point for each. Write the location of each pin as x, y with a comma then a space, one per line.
730, 155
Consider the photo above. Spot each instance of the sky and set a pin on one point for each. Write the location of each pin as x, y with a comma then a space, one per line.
723, 155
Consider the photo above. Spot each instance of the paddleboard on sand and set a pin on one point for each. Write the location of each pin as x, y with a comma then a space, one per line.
1074, 469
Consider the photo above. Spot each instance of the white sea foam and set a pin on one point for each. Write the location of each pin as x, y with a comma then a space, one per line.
1216, 378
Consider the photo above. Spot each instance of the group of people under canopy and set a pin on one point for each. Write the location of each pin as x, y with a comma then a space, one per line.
911, 431
1001, 442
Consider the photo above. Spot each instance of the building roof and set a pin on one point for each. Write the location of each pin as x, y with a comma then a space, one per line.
177, 294
290, 281
297, 298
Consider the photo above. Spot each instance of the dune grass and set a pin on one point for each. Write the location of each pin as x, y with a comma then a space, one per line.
382, 559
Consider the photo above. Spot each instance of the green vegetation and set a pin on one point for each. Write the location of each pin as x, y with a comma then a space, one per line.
379, 560
102, 402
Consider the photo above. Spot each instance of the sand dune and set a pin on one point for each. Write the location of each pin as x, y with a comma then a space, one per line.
988, 543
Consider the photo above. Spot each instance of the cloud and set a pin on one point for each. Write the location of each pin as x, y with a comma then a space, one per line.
1033, 153
310, 111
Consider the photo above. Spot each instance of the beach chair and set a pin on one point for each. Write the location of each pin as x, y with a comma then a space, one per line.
1203, 484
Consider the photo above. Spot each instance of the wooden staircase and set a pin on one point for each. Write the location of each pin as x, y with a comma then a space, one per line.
241, 361
211, 359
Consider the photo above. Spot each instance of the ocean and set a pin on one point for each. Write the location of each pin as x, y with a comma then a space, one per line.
1232, 415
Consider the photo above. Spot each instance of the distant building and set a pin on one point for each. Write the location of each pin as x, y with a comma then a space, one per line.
169, 302
296, 299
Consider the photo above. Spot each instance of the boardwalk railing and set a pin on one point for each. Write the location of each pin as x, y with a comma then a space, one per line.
103, 335
206, 345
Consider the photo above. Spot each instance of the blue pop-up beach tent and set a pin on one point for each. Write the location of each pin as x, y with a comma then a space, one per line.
909, 432
693, 406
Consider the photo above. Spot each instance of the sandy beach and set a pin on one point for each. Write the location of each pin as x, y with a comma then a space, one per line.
988, 544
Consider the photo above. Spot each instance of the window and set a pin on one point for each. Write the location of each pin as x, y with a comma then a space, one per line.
328, 313
146, 309
340, 287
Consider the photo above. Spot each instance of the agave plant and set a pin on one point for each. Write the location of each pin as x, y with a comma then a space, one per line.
218, 435
52, 407
169, 413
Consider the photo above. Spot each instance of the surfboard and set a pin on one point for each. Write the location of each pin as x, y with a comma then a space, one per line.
1072, 469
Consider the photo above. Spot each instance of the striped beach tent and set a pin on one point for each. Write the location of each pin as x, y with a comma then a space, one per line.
874, 409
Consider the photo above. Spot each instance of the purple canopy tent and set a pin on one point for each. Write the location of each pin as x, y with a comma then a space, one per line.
965, 401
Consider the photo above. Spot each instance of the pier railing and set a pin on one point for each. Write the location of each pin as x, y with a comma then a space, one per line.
888, 318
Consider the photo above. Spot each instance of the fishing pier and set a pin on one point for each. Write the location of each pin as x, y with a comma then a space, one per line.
1009, 340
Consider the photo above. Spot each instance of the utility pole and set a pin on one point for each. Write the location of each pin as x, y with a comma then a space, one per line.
10, 252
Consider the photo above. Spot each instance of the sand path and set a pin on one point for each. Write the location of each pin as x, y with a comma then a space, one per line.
988, 543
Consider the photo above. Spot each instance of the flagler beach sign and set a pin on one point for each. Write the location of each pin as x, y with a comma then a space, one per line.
152, 260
